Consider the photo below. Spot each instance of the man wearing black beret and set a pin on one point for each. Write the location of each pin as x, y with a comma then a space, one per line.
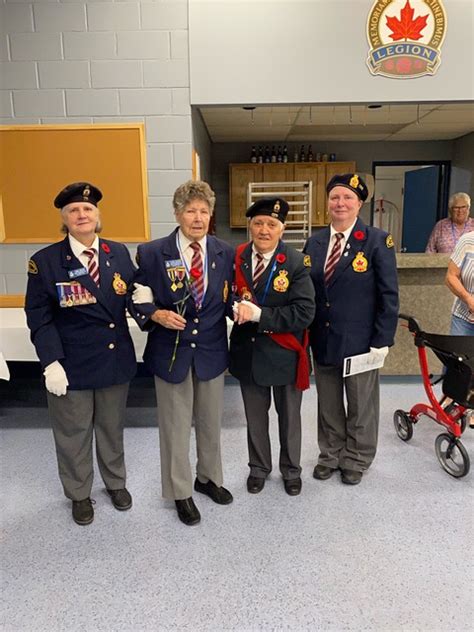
269, 340
75, 309
355, 279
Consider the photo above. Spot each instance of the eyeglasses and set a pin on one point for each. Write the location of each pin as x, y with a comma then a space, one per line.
459, 208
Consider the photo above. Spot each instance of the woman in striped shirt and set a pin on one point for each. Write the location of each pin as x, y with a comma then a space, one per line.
460, 280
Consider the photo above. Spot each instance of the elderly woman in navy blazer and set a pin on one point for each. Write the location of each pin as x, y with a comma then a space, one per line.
182, 296
75, 309
355, 280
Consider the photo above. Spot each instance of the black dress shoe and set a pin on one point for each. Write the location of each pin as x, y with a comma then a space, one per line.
255, 484
219, 495
293, 486
351, 477
83, 511
323, 472
187, 511
121, 498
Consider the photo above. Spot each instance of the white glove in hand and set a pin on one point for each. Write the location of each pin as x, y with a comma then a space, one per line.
142, 294
256, 311
378, 354
56, 379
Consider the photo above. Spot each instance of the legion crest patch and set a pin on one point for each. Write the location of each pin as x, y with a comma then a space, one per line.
405, 37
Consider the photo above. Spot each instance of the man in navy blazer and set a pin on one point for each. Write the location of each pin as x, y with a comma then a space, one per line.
182, 296
355, 279
75, 309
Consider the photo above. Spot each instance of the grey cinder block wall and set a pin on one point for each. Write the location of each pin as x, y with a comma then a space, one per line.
99, 62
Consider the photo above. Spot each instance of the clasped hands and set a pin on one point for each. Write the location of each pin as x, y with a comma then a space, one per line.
245, 312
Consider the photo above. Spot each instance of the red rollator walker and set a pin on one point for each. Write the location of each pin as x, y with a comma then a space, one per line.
457, 355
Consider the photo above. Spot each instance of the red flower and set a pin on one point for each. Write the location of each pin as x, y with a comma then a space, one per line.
281, 258
105, 248
359, 234
195, 273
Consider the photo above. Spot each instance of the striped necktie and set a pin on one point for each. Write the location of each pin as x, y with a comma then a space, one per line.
92, 266
258, 270
198, 280
333, 258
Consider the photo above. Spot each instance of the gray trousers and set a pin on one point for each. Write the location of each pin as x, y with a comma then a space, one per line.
257, 400
75, 418
177, 405
347, 438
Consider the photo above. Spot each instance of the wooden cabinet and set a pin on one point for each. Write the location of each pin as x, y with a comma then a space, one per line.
319, 173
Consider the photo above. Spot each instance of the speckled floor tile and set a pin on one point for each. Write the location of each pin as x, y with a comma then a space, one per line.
394, 553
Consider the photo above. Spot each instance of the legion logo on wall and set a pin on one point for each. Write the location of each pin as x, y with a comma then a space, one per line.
405, 37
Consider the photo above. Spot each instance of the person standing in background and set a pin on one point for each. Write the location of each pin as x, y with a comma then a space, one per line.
75, 309
447, 232
354, 272
460, 280
182, 296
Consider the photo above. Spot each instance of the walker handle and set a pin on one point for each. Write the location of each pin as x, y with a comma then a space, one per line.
413, 325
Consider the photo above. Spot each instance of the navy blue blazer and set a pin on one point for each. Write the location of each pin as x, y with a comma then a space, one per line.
358, 309
91, 341
203, 343
253, 354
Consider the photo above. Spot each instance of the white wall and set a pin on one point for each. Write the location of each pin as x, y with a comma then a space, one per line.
79, 62
312, 51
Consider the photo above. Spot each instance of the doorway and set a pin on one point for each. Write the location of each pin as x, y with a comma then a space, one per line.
409, 198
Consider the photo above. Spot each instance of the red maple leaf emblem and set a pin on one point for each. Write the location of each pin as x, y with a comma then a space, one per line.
406, 27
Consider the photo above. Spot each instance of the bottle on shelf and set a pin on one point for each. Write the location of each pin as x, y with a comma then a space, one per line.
296, 155
279, 154
260, 155
285, 154
267, 157
253, 155
310, 154
274, 154
302, 155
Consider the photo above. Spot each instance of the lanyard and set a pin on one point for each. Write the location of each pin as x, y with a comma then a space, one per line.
188, 274
267, 285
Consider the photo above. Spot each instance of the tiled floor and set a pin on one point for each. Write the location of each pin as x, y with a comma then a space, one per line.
394, 553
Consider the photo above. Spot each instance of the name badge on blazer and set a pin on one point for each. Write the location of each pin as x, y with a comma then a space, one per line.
73, 274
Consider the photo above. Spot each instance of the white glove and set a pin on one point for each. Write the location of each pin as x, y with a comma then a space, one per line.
142, 294
256, 311
56, 379
377, 354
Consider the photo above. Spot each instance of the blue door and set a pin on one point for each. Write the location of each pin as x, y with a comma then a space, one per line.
420, 207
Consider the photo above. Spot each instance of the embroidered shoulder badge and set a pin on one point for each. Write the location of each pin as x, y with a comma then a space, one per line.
32, 267
307, 261
389, 241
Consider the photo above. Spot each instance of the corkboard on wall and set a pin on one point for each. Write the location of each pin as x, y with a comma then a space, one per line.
37, 161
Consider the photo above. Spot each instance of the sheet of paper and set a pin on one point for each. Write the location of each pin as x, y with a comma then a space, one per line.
4, 370
360, 364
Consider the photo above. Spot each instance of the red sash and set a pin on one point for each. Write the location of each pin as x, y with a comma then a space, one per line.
287, 340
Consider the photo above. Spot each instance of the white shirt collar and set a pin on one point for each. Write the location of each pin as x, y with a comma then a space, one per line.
78, 248
346, 232
266, 255
184, 242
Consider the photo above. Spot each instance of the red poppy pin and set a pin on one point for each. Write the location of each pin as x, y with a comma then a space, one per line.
195, 273
281, 258
359, 234
105, 248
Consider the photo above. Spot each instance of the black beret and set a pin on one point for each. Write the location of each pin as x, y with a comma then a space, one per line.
78, 192
351, 181
273, 206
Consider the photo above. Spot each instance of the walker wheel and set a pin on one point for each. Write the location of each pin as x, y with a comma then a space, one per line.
403, 425
452, 455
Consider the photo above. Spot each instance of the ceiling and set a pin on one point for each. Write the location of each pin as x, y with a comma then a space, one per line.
417, 122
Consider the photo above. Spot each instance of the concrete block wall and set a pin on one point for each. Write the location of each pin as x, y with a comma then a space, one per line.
100, 62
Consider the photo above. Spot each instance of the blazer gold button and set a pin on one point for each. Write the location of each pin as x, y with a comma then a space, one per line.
111, 345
